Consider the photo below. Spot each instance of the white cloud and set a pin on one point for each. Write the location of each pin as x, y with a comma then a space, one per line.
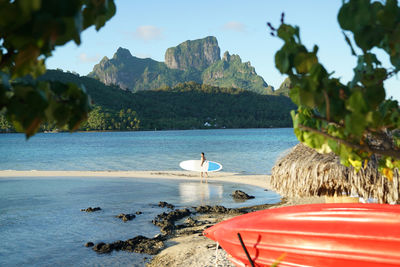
84, 58
235, 26
148, 33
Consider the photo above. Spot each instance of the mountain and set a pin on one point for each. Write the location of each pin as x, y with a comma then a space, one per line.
135, 74
193, 60
197, 54
231, 72
284, 88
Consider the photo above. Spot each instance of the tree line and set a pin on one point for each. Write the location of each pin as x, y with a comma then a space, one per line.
185, 106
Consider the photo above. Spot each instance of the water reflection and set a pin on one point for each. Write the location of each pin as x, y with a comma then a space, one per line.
200, 193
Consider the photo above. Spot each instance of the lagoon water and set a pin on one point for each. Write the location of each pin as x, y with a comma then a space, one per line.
248, 151
40, 219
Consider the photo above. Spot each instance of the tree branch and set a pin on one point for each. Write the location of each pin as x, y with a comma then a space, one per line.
374, 132
387, 152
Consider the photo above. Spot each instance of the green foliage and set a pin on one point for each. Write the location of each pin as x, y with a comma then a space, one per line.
5, 125
29, 32
354, 120
108, 120
187, 105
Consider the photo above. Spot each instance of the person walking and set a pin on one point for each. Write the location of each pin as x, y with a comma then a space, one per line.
203, 160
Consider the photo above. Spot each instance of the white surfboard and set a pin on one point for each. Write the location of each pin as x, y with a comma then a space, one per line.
194, 165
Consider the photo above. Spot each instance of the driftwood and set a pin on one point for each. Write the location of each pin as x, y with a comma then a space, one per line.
305, 172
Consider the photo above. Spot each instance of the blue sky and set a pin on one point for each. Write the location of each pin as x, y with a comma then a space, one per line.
148, 28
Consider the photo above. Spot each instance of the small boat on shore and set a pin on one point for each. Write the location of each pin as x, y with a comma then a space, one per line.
345, 234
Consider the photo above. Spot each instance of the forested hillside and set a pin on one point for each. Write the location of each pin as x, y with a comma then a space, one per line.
186, 106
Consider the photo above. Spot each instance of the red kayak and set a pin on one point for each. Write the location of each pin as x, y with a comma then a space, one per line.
345, 234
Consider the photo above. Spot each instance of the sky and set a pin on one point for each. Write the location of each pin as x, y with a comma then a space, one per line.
148, 28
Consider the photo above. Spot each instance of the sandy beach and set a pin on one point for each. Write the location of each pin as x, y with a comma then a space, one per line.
185, 247
255, 180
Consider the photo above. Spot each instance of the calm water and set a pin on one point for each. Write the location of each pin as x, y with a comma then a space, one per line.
41, 223
251, 151
40, 219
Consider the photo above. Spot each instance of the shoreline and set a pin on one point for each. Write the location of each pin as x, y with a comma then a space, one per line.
183, 247
259, 180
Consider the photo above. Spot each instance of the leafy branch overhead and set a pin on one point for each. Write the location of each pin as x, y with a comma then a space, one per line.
29, 31
353, 120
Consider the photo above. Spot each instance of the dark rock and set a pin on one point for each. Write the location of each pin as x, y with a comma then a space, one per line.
167, 229
204, 209
147, 245
90, 209
238, 194
103, 248
164, 204
209, 209
216, 209
126, 217
138, 244
167, 220
211, 245
89, 244
190, 222
118, 245
220, 209
234, 211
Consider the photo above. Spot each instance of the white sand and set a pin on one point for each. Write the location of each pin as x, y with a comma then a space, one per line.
256, 180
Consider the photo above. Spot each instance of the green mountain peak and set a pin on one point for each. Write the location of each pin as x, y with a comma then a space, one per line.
122, 53
197, 54
193, 60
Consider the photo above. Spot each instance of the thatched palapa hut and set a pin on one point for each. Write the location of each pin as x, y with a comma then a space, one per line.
305, 172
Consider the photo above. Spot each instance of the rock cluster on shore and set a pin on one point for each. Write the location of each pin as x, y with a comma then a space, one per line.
164, 204
167, 220
168, 228
240, 195
126, 217
138, 244
216, 209
90, 209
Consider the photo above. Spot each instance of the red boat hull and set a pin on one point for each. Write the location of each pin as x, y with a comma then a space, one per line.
314, 235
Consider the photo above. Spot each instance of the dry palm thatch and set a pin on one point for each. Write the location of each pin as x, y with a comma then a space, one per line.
305, 172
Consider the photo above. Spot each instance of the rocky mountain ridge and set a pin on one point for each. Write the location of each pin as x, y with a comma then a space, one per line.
193, 60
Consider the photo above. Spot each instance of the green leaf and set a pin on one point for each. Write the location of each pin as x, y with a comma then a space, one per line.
287, 32
303, 62
294, 95
355, 124
282, 61
356, 102
357, 164
29, 6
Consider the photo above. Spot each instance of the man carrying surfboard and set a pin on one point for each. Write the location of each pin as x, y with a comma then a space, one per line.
203, 160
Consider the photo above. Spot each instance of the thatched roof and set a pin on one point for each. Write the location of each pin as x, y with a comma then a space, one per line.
304, 172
